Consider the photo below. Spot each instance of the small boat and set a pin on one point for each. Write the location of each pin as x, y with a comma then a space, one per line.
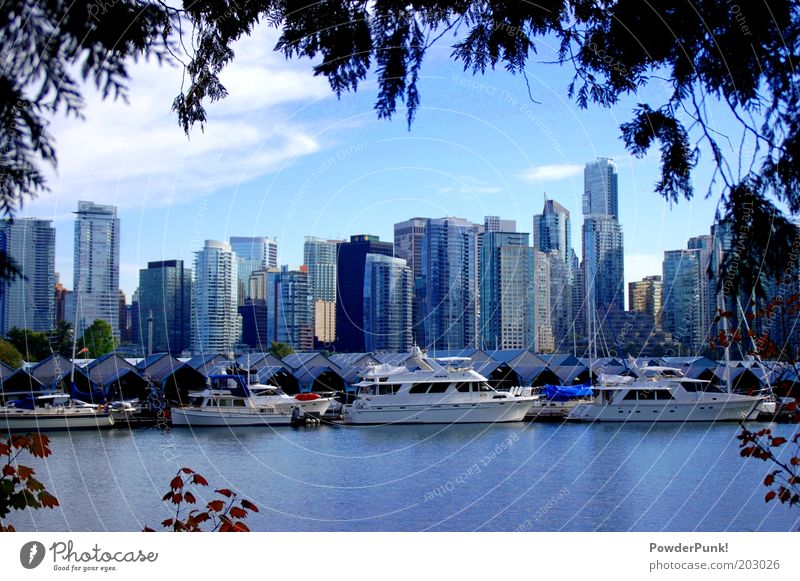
52, 412
557, 401
445, 390
662, 394
230, 401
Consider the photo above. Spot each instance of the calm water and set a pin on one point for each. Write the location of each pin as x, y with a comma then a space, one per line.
572, 477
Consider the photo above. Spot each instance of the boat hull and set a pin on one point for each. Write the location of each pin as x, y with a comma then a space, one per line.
199, 417
33, 421
492, 411
716, 411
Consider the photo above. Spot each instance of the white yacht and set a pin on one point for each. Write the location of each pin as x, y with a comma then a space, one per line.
230, 401
556, 402
662, 394
52, 412
443, 390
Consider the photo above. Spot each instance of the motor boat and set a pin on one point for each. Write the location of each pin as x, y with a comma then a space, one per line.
662, 394
445, 390
51, 412
556, 402
230, 401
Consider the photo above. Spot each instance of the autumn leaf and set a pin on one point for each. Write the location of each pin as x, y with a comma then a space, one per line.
201, 517
48, 500
778, 442
177, 498
24, 472
189, 497
187, 470
4, 450
769, 480
770, 495
197, 479
38, 446
239, 527
8, 470
237, 512
177, 483
34, 485
19, 441
249, 505
224, 492
167, 496
216, 505
747, 452
147, 530
167, 523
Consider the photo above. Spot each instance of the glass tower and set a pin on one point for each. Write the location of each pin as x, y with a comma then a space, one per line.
388, 290
216, 324
165, 293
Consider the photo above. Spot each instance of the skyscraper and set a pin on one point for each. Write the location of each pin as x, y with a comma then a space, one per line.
96, 270
704, 244
252, 253
552, 235
408, 236
644, 296
351, 261
165, 292
28, 302
603, 251
319, 255
507, 297
600, 188
388, 288
216, 324
682, 302
450, 273
290, 308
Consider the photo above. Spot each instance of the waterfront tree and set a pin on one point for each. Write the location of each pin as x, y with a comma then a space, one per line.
34, 345
280, 350
9, 355
739, 57
97, 339
61, 338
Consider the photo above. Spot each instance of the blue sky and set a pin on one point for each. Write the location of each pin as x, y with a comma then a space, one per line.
282, 157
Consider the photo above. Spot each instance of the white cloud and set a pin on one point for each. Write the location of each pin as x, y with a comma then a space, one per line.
551, 173
126, 153
468, 187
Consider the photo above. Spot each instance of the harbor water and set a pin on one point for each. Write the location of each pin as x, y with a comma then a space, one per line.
508, 477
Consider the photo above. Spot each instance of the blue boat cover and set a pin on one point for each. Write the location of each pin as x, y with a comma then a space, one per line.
566, 392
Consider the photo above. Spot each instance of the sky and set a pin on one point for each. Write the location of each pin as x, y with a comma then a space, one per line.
283, 157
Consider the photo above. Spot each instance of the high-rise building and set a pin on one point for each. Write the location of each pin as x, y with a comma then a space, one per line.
28, 302
290, 308
600, 188
603, 250
552, 235
408, 238
507, 297
450, 273
497, 224
124, 319
319, 255
388, 290
95, 293
604, 274
60, 296
705, 246
165, 293
542, 302
351, 261
644, 296
682, 297
216, 324
252, 253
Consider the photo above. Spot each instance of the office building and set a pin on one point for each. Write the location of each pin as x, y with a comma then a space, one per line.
216, 323
165, 294
388, 292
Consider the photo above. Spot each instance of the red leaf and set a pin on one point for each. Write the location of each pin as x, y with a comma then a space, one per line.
19, 441
34, 485
177, 483
24, 472
770, 495
226, 527
224, 492
794, 461
778, 441
187, 470
189, 497
769, 480
747, 452
237, 512
167, 496
8, 470
39, 447
48, 500
147, 530
197, 479
201, 517
167, 523
216, 505
4, 450
239, 527
784, 495
249, 505
177, 498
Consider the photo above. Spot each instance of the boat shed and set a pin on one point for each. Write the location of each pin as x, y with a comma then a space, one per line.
175, 379
525, 364
315, 373
118, 378
56, 372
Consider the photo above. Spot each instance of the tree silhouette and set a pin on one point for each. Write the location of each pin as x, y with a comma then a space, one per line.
704, 51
